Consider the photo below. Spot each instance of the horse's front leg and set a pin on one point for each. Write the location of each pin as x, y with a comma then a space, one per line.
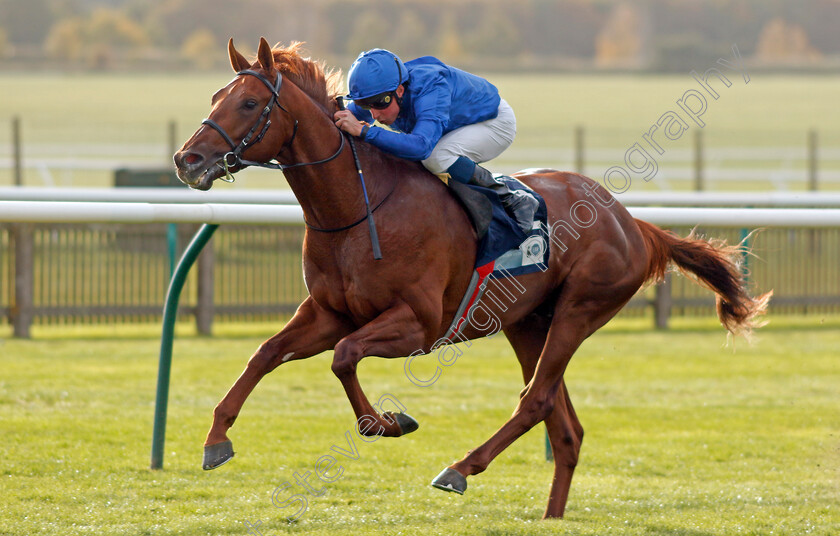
311, 330
395, 333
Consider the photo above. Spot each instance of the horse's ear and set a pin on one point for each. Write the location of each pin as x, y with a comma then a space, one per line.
237, 60
265, 56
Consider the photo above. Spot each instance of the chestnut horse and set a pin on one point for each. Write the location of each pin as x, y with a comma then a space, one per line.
279, 111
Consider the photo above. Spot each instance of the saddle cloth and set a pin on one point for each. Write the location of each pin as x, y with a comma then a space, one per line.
503, 251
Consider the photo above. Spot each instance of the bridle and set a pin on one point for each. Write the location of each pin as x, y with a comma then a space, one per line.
233, 158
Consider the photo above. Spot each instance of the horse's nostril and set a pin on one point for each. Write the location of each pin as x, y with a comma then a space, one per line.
192, 158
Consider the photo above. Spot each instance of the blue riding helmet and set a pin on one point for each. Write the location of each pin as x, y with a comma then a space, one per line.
375, 71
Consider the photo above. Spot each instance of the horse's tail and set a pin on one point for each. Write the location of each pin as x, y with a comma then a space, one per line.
715, 265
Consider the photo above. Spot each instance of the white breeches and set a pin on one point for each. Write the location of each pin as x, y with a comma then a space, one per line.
479, 142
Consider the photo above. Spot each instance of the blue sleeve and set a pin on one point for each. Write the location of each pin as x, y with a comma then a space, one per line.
431, 108
411, 146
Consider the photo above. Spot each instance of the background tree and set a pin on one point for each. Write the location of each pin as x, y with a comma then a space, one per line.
369, 31
475, 34
97, 39
564, 28
246, 20
113, 29
681, 53
449, 46
66, 40
621, 42
27, 22
411, 38
202, 49
4, 43
781, 42
496, 34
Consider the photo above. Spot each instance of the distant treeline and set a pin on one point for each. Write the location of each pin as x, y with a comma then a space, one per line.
658, 35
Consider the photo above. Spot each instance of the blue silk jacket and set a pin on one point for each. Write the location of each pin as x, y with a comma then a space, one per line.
438, 99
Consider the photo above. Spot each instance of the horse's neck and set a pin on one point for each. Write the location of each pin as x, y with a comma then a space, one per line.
330, 194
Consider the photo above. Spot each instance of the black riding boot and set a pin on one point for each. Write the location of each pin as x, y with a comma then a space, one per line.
519, 203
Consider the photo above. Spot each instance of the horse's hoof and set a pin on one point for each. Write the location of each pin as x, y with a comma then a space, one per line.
406, 422
216, 455
451, 480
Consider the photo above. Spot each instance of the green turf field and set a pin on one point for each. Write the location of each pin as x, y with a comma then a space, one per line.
124, 117
683, 437
545, 105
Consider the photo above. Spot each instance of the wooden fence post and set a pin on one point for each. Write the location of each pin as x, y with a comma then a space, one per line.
698, 161
579, 157
662, 303
172, 131
204, 309
22, 311
812, 160
813, 183
18, 152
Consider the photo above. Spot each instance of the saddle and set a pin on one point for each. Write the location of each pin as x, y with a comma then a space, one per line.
503, 249
496, 230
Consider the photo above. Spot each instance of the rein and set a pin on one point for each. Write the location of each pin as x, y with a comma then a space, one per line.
355, 223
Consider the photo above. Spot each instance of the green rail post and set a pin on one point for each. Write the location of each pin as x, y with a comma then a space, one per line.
549, 454
745, 236
745, 266
171, 228
172, 246
170, 313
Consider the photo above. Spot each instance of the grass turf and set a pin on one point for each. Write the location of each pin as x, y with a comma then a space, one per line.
683, 437
119, 117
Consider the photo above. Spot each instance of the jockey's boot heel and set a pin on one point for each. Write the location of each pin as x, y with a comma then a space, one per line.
519, 203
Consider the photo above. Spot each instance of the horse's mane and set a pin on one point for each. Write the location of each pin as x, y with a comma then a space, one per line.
314, 78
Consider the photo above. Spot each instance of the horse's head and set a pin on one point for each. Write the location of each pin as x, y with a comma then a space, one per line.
246, 121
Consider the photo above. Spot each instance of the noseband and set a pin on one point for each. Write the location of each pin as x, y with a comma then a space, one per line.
234, 157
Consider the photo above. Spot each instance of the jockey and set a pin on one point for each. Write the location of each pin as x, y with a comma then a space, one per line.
446, 118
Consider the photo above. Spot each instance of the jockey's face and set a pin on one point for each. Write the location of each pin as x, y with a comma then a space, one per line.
388, 115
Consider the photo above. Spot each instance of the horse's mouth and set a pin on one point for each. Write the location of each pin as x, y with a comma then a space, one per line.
204, 181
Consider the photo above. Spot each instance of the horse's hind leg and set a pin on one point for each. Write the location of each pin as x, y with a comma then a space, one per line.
576, 316
565, 434
564, 429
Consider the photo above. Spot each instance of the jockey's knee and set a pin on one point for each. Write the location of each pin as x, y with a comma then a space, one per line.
439, 161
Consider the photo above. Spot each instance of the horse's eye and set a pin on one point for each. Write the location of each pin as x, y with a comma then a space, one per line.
250, 104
